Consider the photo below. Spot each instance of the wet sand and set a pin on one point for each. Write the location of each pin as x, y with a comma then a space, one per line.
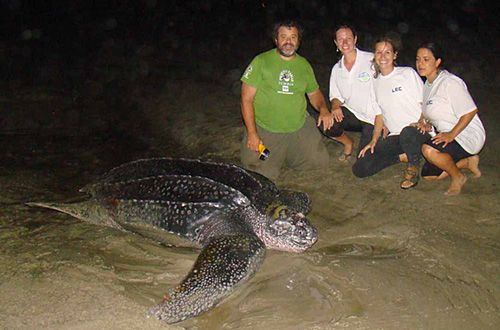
385, 259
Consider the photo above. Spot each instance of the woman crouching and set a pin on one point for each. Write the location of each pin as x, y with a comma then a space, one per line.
449, 107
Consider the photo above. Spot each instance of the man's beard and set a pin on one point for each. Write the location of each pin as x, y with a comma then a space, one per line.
287, 53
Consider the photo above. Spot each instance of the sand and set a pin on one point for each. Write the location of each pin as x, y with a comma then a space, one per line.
385, 259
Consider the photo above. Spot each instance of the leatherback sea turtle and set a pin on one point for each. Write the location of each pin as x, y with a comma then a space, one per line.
231, 213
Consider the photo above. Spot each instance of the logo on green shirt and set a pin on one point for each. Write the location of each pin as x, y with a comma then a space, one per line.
285, 81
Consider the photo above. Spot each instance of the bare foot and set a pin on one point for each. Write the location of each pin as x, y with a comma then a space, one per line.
434, 177
456, 185
473, 166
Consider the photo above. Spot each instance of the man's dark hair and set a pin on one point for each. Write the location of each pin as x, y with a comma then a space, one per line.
289, 24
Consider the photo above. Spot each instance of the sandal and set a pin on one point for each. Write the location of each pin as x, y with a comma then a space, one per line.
410, 177
345, 157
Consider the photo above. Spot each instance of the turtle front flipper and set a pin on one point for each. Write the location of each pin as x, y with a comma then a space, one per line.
296, 200
223, 264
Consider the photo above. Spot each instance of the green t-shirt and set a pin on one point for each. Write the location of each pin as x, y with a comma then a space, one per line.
280, 102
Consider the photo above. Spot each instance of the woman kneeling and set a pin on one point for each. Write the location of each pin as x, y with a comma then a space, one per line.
398, 91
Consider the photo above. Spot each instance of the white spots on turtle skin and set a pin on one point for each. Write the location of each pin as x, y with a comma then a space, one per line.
241, 200
205, 209
175, 188
215, 274
184, 219
199, 235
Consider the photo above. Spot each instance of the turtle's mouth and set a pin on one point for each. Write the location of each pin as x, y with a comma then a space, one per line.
293, 233
303, 236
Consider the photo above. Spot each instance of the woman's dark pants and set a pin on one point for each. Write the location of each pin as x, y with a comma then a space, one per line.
387, 152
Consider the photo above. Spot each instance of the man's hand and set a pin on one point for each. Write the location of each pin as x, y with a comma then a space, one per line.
325, 117
318, 102
253, 141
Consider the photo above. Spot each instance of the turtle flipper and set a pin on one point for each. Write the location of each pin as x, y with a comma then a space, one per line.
296, 200
223, 264
90, 211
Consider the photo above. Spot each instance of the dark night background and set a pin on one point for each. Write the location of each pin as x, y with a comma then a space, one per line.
80, 68
87, 85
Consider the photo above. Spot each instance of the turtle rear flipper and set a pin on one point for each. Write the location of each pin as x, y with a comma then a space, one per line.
90, 211
223, 264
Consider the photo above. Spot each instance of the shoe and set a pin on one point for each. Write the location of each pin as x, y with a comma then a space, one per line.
410, 177
345, 157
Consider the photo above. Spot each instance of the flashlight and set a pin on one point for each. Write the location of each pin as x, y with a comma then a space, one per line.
263, 152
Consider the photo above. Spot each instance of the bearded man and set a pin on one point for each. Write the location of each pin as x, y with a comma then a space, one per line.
273, 106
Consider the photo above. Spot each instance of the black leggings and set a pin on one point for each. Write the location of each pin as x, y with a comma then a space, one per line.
349, 123
387, 152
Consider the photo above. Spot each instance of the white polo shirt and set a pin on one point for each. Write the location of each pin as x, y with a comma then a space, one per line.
355, 88
445, 101
399, 95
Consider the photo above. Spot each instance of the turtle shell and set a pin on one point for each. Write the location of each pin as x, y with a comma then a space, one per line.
261, 191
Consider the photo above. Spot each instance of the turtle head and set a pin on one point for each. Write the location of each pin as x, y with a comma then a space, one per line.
289, 230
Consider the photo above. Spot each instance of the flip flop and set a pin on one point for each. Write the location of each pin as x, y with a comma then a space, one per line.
345, 157
410, 177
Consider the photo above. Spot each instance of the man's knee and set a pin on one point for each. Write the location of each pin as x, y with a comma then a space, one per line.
321, 161
314, 157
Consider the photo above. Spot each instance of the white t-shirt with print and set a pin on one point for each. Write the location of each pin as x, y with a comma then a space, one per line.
355, 88
445, 101
399, 95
